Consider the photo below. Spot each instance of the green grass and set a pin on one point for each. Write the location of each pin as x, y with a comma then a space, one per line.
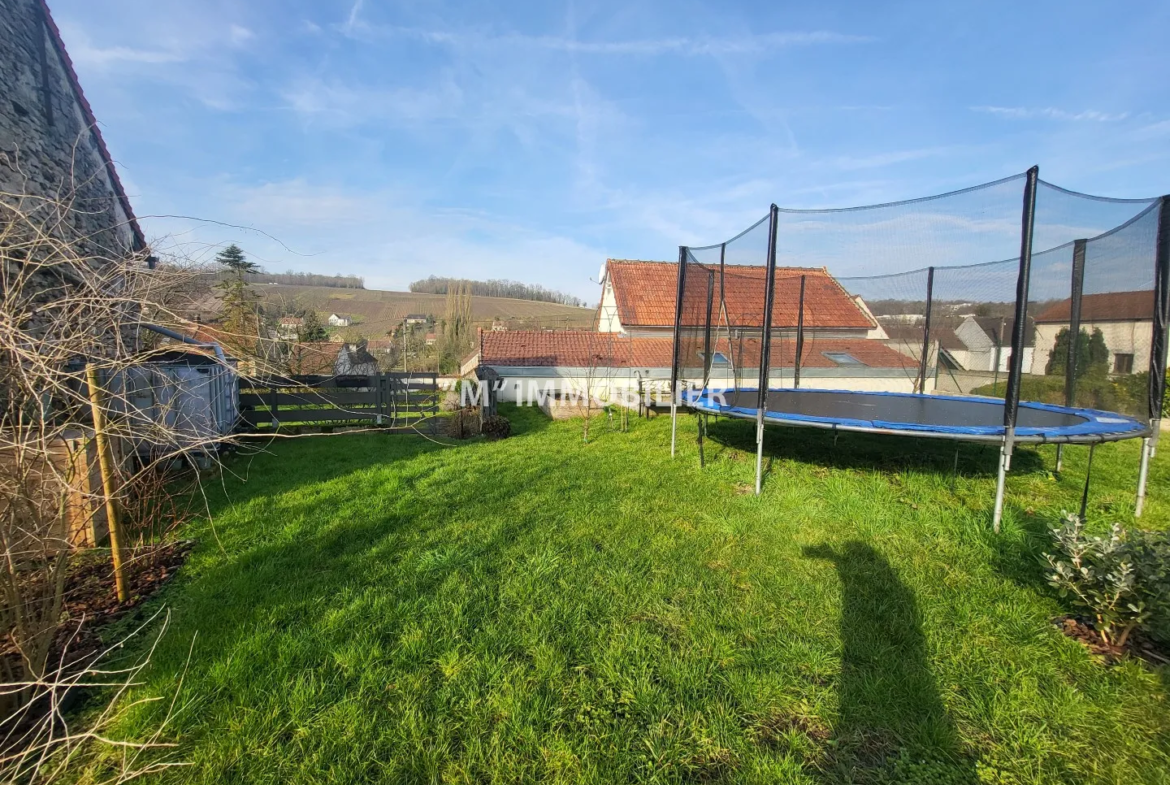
384, 609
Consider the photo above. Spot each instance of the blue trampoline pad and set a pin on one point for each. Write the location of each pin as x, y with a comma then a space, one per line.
940, 416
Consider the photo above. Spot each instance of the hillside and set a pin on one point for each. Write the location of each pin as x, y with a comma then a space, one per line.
374, 312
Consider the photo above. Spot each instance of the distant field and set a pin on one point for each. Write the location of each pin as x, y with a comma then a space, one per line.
375, 312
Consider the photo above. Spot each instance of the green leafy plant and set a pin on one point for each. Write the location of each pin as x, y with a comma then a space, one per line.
1121, 579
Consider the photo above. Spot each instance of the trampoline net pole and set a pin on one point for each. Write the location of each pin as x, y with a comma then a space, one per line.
1019, 326
799, 334
1160, 338
921, 382
678, 306
1074, 333
766, 343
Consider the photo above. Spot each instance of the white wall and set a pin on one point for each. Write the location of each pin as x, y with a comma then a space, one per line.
1131, 337
608, 320
524, 384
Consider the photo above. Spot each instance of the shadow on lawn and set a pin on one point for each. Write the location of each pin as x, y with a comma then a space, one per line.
868, 451
888, 701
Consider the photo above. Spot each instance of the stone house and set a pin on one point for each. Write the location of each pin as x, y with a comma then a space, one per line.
50, 143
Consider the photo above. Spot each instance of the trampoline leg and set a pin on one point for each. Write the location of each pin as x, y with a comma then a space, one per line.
1059, 457
999, 489
702, 428
759, 456
1143, 474
673, 425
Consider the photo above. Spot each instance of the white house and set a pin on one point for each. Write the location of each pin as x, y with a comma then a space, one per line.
1125, 319
987, 344
337, 320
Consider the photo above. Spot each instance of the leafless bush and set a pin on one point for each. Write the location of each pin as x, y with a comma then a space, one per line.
73, 309
38, 743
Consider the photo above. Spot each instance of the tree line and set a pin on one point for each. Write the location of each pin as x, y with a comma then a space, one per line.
495, 288
307, 279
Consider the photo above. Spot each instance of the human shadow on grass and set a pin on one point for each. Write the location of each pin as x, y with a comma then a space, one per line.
872, 452
889, 706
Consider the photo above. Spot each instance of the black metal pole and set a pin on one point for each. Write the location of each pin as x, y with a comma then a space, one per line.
678, 306
799, 335
1012, 398
921, 383
766, 344
1023, 282
1158, 347
707, 329
1074, 321
769, 292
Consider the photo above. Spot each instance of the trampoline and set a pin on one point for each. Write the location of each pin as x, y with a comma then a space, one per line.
902, 318
939, 416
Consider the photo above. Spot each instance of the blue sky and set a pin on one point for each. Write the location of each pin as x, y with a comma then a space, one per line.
396, 140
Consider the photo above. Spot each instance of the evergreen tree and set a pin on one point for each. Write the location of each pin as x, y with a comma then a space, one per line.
233, 258
311, 328
241, 317
1092, 355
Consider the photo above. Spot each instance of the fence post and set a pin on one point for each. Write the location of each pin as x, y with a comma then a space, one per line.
106, 466
274, 405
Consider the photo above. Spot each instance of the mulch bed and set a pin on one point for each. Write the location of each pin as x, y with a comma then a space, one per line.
1082, 629
91, 600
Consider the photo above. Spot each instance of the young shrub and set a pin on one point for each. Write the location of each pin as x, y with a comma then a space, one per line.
1150, 552
496, 427
462, 424
1122, 581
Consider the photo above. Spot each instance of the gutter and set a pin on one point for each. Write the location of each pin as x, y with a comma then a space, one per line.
187, 340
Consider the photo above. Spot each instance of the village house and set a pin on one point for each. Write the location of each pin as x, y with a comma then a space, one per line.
1125, 319
289, 327
338, 320
632, 347
987, 344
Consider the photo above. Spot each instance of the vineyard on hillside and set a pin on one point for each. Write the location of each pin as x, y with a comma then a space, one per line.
374, 312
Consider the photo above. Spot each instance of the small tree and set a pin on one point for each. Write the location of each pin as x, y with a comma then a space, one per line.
241, 313
311, 329
1092, 355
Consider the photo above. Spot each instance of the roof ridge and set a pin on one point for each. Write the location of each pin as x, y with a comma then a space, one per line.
92, 123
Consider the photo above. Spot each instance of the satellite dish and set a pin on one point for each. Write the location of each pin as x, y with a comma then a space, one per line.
601, 273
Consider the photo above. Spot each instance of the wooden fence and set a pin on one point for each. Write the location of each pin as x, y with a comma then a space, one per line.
397, 402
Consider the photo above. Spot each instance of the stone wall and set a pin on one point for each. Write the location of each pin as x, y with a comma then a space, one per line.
48, 147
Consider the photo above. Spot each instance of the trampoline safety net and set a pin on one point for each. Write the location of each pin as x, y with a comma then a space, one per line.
1016, 289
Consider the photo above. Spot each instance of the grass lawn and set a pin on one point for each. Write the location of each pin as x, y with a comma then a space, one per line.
376, 608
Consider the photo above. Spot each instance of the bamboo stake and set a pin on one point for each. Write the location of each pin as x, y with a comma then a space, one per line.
106, 464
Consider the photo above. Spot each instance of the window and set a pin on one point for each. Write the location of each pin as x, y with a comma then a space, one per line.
1123, 363
717, 358
843, 358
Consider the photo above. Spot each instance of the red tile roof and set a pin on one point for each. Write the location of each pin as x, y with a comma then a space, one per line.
645, 294
316, 358
1110, 307
583, 349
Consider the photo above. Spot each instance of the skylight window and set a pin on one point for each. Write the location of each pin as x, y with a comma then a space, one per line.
717, 358
843, 358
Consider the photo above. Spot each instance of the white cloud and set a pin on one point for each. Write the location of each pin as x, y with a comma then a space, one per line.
240, 34
1051, 113
381, 235
686, 46
343, 104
